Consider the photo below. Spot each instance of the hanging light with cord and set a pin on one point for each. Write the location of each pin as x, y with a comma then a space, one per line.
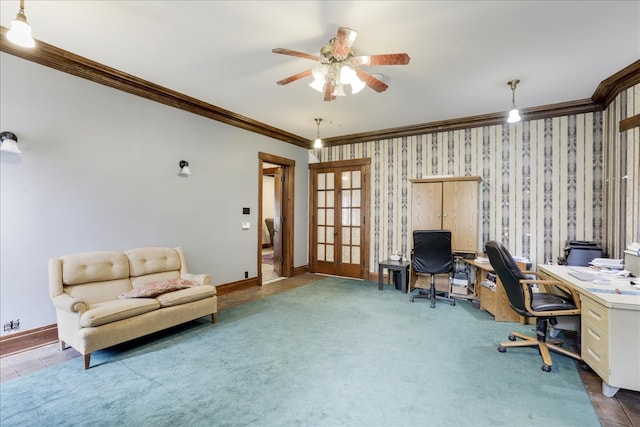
514, 115
318, 142
20, 32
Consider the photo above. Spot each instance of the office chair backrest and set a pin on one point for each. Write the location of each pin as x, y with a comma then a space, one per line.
509, 273
432, 251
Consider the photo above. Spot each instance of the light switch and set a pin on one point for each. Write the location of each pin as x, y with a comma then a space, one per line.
246, 225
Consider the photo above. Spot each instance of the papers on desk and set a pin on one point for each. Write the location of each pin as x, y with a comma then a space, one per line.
614, 264
600, 276
482, 260
587, 276
612, 291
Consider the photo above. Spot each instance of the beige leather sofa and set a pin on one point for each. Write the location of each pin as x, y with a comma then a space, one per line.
92, 293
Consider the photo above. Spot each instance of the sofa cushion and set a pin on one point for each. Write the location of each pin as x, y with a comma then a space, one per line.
112, 311
153, 289
94, 267
144, 261
184, 296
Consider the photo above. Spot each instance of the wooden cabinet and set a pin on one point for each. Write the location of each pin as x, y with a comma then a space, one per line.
447, 204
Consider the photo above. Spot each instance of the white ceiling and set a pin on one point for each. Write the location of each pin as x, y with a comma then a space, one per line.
462, 53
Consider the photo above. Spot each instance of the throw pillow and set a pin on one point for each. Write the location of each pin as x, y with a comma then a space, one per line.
153, 289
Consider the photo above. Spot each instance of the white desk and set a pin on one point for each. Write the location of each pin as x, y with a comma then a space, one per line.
610, 323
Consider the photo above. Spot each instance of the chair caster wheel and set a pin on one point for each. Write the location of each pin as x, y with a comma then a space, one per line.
502, 349
546, 368
512, 338
453, 303
411, 299
433, 305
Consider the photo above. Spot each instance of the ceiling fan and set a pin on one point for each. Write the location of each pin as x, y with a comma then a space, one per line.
339, 66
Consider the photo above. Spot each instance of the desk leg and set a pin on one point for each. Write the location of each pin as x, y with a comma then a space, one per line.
380, 273
608, 390
403, 277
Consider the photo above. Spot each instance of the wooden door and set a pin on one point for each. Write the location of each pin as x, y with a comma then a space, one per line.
338, 225
277, 221
459, 214
286, 203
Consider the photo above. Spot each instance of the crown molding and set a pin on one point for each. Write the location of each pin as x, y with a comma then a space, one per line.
67, 62
59, 59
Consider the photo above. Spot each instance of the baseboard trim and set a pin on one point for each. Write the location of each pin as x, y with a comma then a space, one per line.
28, 340
297, 271
240, 285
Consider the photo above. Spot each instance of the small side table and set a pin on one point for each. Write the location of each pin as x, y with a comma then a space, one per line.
401, 266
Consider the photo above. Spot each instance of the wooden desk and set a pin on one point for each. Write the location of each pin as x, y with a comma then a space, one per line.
610, 324
493, 301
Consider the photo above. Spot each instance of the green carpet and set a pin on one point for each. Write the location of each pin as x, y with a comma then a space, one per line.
337, 352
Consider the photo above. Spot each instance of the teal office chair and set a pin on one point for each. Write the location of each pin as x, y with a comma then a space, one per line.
541, 305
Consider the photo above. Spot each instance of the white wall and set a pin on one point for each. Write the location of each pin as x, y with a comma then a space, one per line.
99, 171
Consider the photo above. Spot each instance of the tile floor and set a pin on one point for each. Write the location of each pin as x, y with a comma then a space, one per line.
623, 410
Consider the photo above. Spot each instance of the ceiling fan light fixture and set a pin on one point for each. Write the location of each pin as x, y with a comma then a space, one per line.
339, 90
339, 66
514, 114
319, 80
20, 32
350, 77
356, 84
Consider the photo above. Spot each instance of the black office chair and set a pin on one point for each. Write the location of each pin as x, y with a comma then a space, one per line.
432, 255
542, 305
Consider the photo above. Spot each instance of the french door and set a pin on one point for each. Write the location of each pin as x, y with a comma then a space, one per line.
339, 218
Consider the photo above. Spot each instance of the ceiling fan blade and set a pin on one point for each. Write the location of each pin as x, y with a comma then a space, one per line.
385, 59
372, 82
295, 77
344, 41
295, 53
328, 91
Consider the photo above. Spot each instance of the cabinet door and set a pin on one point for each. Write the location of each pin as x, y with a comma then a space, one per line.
460, 214
426, 206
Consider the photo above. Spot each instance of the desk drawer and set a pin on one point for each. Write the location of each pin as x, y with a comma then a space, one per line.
595, 337
595, 313
488, 300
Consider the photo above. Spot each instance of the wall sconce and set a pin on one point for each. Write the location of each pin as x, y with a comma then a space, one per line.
514, 115
20, 32
184, 168
9, 143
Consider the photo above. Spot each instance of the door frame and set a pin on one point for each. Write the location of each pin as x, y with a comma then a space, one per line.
365, 164
287, 224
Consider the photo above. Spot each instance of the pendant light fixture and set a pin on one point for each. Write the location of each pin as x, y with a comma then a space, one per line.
318, 142
514, 115
20, 32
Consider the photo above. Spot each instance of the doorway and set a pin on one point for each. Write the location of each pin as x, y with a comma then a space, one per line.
275, 236
339, 223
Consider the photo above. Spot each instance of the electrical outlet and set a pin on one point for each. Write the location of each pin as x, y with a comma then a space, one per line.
12, 325
246, 274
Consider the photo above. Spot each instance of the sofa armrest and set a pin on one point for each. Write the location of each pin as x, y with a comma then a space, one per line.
68, 303
199, 279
